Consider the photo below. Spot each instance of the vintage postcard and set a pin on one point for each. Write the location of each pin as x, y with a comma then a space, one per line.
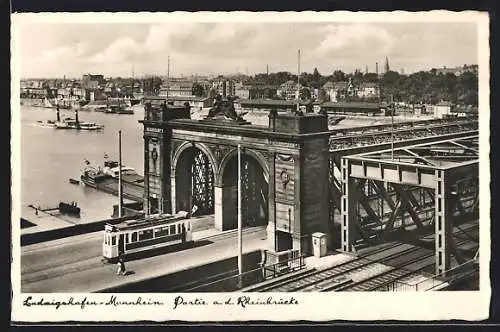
234, 166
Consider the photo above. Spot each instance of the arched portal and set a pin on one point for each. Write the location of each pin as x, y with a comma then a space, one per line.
254, 192
194, 182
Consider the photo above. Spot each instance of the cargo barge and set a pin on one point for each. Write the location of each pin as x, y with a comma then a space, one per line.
106, 179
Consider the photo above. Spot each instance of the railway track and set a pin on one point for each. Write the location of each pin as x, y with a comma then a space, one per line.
418, 261
377, 256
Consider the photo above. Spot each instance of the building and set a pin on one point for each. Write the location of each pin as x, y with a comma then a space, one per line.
352, 108
91, 81
194, 102
224, 87
81, 93
465, 111
256, 91
64, 93
177, 87
278, 105
288, 90
243, 92
442, 109
36, 93
368, 90
338, 91
459, 70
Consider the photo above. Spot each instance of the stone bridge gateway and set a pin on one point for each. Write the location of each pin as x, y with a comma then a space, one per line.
291, 169
284, 167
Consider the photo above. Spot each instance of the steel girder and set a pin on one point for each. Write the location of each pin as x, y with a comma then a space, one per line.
336, 156
362, 136
433, 184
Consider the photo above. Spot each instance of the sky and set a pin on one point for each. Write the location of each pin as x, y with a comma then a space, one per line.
115, 49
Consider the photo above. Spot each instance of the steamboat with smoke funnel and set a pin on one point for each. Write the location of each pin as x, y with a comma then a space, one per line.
75, 123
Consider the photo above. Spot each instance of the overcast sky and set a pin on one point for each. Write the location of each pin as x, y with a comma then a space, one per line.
54, 50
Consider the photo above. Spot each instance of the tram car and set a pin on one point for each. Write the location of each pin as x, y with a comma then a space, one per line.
144, 234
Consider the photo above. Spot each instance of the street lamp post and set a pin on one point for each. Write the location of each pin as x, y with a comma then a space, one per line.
120, 188
240, 245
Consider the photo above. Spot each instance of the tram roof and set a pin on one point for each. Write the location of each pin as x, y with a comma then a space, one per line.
149, 221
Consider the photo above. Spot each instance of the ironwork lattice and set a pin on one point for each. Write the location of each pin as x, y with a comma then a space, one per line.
202, 184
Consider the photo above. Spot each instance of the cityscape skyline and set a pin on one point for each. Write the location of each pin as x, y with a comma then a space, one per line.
49, 50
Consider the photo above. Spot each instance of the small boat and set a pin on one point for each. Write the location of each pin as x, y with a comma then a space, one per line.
69, 208
118, 110
73, 181
48, 123
100, 109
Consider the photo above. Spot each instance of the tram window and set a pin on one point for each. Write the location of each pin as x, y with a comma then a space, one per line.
162, 232
113, 240
146, 235
134, 237
172, 229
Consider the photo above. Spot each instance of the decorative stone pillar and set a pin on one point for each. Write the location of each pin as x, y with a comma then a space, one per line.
218, 218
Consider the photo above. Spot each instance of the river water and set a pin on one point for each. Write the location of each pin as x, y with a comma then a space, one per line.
49, 157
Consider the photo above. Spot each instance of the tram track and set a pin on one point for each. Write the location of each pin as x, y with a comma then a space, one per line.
69, 265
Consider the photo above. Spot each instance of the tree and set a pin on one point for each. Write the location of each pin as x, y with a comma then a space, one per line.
370, 77
305, 94
198, 89
212, 93
322, 95
338, 76
268, 93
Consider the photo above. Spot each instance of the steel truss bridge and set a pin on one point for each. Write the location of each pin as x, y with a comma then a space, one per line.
417, 187
351, 141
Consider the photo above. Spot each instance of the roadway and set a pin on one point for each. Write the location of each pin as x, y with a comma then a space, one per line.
75, 264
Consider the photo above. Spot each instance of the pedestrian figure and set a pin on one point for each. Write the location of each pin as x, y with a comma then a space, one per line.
121, 266
36, 211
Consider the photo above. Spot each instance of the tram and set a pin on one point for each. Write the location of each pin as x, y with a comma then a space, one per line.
149, 233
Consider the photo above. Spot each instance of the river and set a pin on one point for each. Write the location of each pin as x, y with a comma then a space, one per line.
49, 157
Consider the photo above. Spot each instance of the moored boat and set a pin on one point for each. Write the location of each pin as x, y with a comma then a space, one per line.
92, 176
114, 109
69, 208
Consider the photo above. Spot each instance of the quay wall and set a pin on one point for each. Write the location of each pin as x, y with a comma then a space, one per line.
54, 234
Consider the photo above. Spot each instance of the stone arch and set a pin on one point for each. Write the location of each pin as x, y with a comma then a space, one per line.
255, 190
200, 146
193, 178
234, 152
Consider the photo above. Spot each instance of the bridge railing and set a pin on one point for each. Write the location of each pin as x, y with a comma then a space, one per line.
357, 136
435, 282
399, 126
294, 261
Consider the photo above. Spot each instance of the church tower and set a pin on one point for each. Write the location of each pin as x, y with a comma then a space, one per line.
387, 68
